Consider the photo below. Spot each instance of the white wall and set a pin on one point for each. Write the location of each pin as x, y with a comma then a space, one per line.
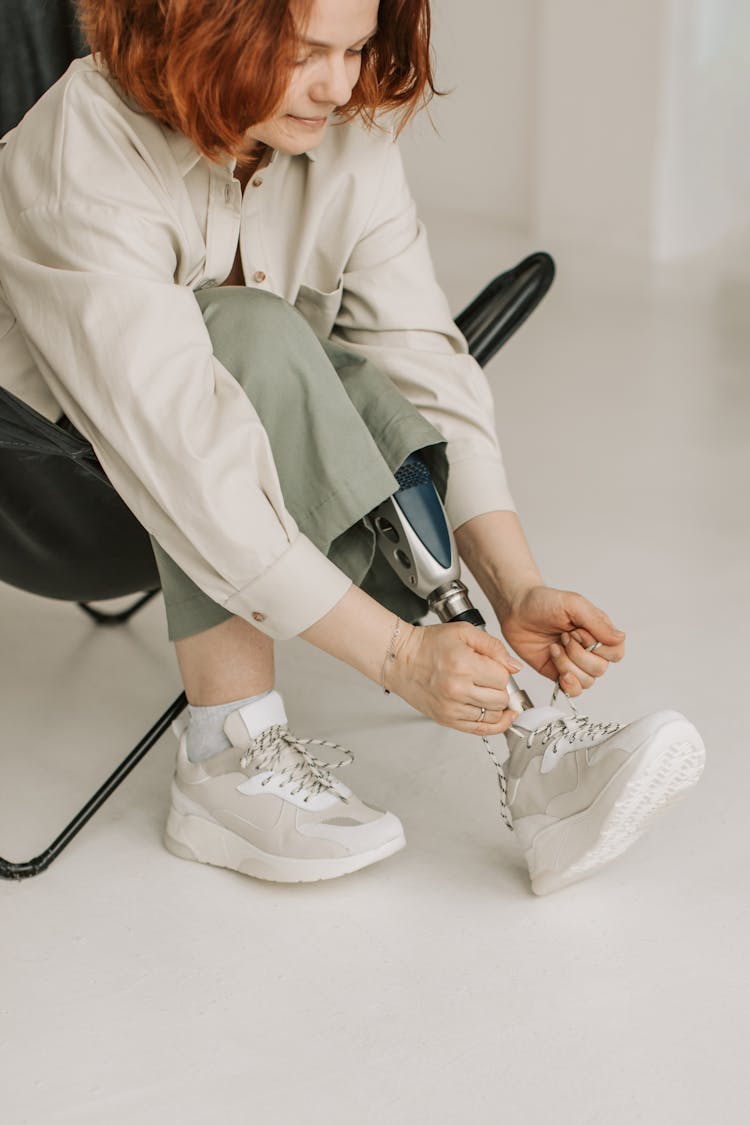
599, 82
702, 182
480, 161
622, 124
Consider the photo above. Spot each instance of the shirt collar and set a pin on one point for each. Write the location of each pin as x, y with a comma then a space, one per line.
231, 163
186, 155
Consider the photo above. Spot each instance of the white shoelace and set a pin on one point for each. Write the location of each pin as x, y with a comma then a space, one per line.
309, 772
570, 728
503, 783
566, 728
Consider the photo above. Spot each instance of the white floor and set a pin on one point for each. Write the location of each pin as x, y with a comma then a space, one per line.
432, 988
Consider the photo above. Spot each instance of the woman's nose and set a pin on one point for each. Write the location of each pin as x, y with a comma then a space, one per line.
335, 85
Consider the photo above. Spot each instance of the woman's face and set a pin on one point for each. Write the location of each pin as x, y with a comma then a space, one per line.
324, 76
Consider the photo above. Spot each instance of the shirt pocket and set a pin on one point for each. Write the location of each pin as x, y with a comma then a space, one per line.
319, 309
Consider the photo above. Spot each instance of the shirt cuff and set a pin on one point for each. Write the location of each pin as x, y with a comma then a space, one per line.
300, 588
476, 485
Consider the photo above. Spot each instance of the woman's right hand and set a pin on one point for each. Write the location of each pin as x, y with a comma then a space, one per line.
450, 672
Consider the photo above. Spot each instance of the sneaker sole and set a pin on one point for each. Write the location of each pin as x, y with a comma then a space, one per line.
205, 841
671, 765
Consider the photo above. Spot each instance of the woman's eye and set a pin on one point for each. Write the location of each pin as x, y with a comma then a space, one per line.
352, 52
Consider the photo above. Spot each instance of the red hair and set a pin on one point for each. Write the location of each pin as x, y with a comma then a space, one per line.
396, 64
212, 68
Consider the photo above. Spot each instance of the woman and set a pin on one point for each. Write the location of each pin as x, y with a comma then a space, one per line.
164, 207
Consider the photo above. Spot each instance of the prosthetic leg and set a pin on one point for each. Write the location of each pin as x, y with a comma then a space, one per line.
413, 534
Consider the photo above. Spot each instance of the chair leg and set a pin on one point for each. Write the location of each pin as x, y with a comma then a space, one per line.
26, 868
103, 618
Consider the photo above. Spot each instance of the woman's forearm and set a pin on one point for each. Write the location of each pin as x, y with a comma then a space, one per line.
452, 673
358, 630
495, 549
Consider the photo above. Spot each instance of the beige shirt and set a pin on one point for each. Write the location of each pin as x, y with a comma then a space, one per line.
109, 221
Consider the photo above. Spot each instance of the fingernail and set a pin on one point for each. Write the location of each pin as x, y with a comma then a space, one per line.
565, 639
555, 650
577, 637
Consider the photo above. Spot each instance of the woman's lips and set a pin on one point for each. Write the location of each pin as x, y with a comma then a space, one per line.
310, 122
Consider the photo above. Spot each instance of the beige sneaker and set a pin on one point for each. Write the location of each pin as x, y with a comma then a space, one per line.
581, 792
267, 808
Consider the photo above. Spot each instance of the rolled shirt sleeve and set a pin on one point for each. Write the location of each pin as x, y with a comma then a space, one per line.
127, 355
394, 312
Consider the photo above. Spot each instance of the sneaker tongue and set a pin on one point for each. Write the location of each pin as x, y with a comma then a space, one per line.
246, 723
537, 717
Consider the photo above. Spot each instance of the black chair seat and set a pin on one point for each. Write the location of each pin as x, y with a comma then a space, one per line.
64, 531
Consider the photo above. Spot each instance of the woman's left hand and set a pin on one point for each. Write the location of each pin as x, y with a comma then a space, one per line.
552, 629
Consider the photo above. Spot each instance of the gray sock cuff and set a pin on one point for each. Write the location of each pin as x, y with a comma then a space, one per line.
205, 735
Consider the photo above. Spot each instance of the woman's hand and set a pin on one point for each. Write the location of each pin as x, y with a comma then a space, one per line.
450, 673
552, 629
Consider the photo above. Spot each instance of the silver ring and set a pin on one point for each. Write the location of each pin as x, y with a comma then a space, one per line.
481, 717
594, 646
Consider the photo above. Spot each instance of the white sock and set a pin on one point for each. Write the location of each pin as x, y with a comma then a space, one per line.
205, 736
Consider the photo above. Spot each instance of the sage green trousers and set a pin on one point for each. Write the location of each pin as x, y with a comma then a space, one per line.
338, 430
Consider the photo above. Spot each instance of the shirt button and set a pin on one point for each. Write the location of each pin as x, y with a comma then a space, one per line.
259, 276
257, 181
258, 616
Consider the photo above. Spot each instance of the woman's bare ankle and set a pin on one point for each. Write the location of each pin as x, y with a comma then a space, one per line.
227, 662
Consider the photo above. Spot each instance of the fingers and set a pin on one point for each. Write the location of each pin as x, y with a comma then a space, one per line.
498, 723
494, 722
573, 678
611, 653
485, 708
491, 651
593, 621
492, 703
572, 682
481, 679
592, 663
489, 723
488, 705
577, 666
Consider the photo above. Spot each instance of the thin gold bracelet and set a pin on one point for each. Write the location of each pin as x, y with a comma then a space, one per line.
391, 653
